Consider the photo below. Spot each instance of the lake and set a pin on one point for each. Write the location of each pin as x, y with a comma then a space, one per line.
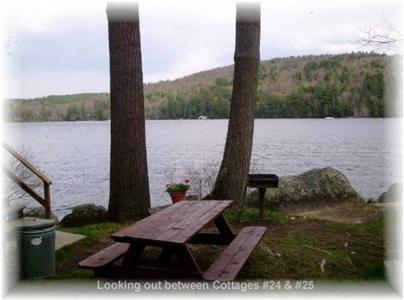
75, 155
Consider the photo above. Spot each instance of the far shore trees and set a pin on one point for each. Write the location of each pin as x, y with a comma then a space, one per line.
232, 178
129, 197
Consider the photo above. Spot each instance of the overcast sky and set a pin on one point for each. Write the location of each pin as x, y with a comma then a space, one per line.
62, 47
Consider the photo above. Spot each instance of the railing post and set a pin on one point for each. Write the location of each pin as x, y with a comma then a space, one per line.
47, 199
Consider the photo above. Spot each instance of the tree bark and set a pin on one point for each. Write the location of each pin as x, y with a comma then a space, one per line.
232, 178
129, 197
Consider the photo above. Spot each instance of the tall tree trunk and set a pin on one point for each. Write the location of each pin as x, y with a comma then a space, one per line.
232, 178
129, 197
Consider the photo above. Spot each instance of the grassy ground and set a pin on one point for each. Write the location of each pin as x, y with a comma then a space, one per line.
294, 247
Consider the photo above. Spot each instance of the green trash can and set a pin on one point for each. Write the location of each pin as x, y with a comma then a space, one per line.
37, 247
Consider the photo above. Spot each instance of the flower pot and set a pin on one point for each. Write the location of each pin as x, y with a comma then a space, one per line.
178, 196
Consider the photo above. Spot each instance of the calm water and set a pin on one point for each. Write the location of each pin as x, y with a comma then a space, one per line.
75, 155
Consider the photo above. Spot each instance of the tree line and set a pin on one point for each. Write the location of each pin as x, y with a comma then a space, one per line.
346, 85
314, 101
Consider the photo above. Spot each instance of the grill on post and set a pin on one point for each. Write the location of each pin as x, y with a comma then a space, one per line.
262, 182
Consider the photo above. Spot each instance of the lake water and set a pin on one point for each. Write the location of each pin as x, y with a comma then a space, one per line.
75, 155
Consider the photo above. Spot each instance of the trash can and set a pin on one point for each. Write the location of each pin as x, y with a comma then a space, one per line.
36, 239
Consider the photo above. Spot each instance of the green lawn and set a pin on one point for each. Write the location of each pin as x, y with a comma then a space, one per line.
293, 248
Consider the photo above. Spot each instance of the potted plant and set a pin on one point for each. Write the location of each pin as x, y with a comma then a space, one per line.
178, 191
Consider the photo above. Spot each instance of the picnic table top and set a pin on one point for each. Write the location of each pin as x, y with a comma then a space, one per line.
175, 224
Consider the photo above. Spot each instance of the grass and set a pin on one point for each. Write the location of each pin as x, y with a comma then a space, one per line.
68, 257
250, 214
95, 232
293, 248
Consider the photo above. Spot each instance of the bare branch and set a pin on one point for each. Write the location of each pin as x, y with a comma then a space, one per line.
380, 39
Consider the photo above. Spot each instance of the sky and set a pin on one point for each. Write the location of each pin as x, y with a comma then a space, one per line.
58, 47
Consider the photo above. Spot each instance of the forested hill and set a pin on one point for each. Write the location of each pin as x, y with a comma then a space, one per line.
307, 86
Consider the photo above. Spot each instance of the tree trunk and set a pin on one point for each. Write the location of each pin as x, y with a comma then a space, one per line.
129, 197
232, 178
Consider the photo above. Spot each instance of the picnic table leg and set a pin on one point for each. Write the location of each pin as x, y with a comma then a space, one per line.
186, 258
132, 257
224, 237
166, 255
223, 226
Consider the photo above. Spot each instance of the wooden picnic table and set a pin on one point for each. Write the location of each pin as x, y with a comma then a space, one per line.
174, 229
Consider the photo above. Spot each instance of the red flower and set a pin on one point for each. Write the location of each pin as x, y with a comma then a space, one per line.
187, 180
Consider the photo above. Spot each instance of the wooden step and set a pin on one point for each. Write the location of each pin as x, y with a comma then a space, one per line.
105, 256
232, 259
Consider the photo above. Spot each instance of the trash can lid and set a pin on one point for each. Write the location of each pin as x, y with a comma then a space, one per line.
29, 223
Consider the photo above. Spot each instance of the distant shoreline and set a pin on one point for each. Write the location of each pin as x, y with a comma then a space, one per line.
108, 120
340, 86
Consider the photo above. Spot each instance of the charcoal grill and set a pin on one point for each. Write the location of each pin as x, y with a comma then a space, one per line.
262, 182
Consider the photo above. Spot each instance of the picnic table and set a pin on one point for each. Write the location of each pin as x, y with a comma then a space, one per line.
174, 229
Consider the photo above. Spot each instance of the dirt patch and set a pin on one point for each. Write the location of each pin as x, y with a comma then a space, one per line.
348, 213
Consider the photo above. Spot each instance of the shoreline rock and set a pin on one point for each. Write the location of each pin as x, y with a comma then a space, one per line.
392, 194
38, 212
313, 189
84, 214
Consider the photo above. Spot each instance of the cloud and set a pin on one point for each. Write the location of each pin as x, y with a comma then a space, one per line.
47, 16
69, 41
57, 82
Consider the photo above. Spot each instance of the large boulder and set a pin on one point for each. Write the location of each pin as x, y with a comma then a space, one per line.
313, 189
38, 212
83, 215
392, 194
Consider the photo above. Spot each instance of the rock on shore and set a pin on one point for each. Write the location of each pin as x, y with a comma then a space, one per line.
392, 194
83, 215
39, 212
313, 189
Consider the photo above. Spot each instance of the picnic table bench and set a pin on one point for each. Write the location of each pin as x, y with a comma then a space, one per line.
174, 229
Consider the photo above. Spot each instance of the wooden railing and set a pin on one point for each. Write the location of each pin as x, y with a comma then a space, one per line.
44, 200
